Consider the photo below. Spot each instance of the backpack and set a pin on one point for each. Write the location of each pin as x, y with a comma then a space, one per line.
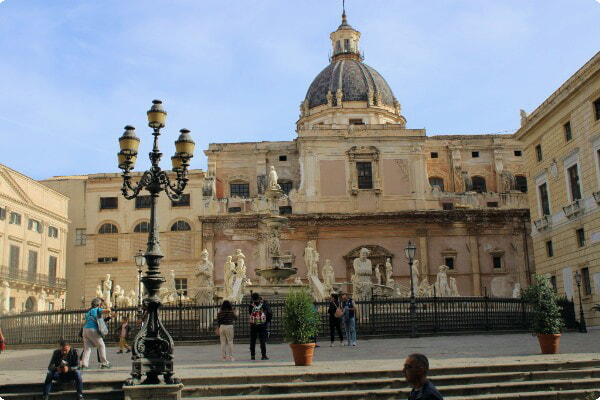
257, 316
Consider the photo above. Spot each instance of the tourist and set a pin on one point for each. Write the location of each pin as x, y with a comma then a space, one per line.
2, 345
260, 316
225, 320
416, 367
123, 334
335, 312
92, 336
63, 368
349, 319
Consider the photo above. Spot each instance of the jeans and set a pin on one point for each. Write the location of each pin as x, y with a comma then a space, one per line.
350, 326
335, 324
72, 375
259, 331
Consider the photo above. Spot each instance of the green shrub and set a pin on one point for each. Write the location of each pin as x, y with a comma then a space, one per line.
547, 317
300, 321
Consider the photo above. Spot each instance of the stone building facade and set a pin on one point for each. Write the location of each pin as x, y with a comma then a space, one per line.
33, 240
562, 153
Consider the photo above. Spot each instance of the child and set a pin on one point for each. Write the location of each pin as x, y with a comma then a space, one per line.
123, 336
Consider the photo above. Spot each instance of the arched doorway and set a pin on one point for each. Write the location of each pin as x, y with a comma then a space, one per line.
377, 254
31, 304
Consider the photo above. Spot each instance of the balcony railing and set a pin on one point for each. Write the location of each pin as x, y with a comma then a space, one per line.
543, 223
573, 209
37, 279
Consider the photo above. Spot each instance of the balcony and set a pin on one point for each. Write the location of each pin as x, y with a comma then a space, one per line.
36, 279
573, 209
543, 223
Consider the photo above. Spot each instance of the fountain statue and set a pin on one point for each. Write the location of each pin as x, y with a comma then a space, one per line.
361, 279
204, 273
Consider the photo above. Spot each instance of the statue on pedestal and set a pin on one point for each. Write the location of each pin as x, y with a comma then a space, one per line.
328, 276
240, 263
516, 291
441, 284
377, 275
205, 270
415, 274
273, 243
133, 300
273, 185
425, 289
107, 290
389, 281
363, 269
229, 276
99, 291
453, 287
311, 257
171, 294
42, 301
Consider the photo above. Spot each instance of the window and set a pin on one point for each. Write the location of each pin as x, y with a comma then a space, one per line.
518, 153
346, 45
475, 154
449, 262
143, 202
109, 203
13, 262
14, 218
34, 225
107, 259
585, 280
439, 182
538, 152
448, 206
142, 227
184, 201
549, 249
597, 109
434, 154
544, 201
234, 209
239, 190
497, 262
574, 182
108, 229
12, 303
365, 175
181, 286
180, 226
79, 237
356, 121
286, 186
553, 283
521, 183
580, 234
478, 184
567, 129
52, 267
285, 210
52, 232
492, 204
32, 263
282, 158
2, 213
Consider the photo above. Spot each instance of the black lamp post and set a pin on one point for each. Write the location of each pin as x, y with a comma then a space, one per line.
140, 261
409, 252
152, 352
582, 327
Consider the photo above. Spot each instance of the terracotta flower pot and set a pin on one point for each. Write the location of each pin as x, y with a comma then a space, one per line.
549, 342
303, 353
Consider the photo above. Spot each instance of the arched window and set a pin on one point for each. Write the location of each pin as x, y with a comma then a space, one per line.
180, 226
142, 227
108, 228
478, 184
439, 182
521, 183
286, 186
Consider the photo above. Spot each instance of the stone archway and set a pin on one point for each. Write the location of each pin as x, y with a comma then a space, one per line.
377, 255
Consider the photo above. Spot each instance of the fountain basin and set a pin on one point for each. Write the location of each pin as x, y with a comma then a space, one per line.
275, 222
276, 275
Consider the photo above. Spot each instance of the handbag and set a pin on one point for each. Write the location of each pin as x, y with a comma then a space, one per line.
2, 345
338, 312
218, 331
102, 327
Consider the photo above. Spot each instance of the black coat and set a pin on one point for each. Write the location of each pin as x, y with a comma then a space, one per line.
72, 359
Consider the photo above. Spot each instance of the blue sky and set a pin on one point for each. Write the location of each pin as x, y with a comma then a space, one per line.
73, 73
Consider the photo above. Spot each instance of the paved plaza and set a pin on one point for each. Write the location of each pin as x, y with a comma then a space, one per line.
29, 365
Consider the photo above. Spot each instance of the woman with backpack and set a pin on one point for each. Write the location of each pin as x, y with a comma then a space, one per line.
225, 319
335, 312
92, 336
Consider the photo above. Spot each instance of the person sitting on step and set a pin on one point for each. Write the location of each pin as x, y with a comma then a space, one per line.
416, 367
63, 368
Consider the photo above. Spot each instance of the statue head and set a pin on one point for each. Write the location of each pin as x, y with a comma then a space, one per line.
229, 258
107, 277
327, 262
364, 252
204, 255
309, 243
272, 168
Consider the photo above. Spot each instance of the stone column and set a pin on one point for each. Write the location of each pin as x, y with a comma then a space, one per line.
475, 270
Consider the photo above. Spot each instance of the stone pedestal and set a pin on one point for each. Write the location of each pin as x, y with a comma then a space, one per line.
153, 392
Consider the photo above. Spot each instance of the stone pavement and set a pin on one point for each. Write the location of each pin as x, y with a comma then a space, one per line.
29, 365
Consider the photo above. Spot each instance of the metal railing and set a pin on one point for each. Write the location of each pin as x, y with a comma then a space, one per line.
377, 317
22, 275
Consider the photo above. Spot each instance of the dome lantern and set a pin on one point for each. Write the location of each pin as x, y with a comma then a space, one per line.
344, 42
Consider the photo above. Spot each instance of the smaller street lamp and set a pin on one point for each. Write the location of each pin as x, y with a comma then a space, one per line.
410, 252
582, 327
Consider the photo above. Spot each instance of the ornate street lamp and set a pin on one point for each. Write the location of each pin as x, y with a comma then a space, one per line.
582, 327
409, 252
152, 352
140, 261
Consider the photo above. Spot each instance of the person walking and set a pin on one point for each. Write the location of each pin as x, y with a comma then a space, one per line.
416, 367
260, 316
91, 334
225, 319
123, 334
349, 319
335, 312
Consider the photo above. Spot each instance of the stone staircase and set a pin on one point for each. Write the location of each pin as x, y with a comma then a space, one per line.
525, 381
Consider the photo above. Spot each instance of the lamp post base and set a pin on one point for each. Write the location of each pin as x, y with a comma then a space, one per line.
153, 392
152, 368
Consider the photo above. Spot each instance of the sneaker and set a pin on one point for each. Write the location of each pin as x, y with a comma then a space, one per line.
45, 397
81, 367
353, 343
264, 358
106, 366
128, 351
331, 345
79, 396
252, 358
341, 344
120, 352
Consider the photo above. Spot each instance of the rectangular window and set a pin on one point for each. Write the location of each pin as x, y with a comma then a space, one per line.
234, 209
79, 237
282, 158
13, 261
2, 213
184, 201
448, 206
475, 154
107, 259
181, 286
32, 264
12, 303
52, 231
553, 283
346, 45
538, 152
14, 218
109, 203
492, 204
597, 109
365, 175
143, 202
545, 202
34, 225
521, 183
285, 210
585, 280
549, 249
286, 186
574, 182
356, 121
580, 234
449, 262
518, 153
497, 261
239, 190
52, 267
567, 129
434, 154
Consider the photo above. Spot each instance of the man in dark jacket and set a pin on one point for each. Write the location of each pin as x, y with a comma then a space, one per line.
260, 316
63, 368
416, 367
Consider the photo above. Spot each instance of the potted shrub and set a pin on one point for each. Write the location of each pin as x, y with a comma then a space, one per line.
300, 326
547, 319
